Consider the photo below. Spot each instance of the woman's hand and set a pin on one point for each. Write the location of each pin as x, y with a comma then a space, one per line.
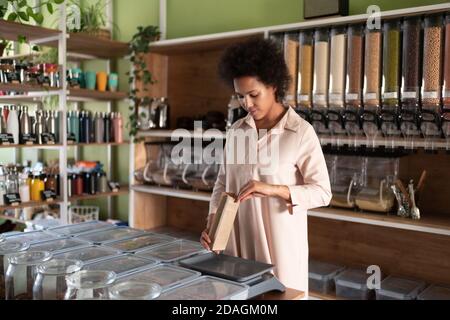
255, 188
205, 240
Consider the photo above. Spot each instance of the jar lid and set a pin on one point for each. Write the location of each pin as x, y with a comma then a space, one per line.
30, 258
60, 267
135, 290
91, 279
7, 247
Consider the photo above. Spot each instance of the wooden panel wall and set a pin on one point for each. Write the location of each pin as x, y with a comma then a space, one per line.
399, 252
149, 211
186, 214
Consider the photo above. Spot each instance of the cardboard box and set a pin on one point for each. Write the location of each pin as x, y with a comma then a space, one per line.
223, 222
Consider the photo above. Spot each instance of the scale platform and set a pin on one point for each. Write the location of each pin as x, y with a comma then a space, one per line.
255, 274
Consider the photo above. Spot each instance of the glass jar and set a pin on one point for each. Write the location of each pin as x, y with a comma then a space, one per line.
51, 183
446, 91
89, 284
321, 52
305, 69
21, 273
338, 49
372, 68
50, 283
102, 182
291, 57
135, 290
432, 58
6, 248
37, 185
391, 63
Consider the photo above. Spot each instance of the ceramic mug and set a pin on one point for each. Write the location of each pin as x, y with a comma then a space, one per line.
113, 82
90, 80
102, 81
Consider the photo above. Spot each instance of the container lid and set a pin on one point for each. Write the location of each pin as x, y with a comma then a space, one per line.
89, 254
228, 267
32, 236
173, 251
400, 288
435, 292
145, 241
8, 247
207, 288
56, 267
135, 290
321, 270
117, 233
78, 228
122, 265
352, 278
91, 279
167, 276
30, 258
58, 245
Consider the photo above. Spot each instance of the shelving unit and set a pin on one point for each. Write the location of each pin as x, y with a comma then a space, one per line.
71, 47
416, 249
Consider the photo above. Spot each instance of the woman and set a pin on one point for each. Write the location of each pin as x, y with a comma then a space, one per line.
271, 225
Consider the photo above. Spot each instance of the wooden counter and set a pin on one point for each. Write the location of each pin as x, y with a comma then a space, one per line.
289, 294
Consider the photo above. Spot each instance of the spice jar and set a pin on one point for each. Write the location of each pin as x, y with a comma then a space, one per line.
305, 69
50, 283
89, 284
291, 46
7, 248
21, 273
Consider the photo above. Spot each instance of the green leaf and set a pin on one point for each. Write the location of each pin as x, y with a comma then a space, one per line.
23, 16
12, 16
22, 3
58, 1
50, 7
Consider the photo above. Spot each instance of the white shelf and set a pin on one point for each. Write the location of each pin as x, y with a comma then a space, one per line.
427, 224
183, 133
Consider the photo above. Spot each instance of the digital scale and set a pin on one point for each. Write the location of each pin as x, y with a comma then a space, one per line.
255, 274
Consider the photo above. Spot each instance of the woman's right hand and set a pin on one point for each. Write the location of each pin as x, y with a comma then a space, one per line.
205, 240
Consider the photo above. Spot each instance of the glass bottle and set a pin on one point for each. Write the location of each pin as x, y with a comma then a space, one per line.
135, 290
37, 185
50, 283
7, 248
24, 188
79, 185
103, 183
21, 273
89, 285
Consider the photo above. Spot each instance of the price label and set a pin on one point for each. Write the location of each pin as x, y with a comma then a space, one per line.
447, 94
114, 186
336, 97
71, 139
48, 138
370, 96
28, 139
319, 98
430, 95
303, 97
352, 96
409, 95
12, 199
6, 138
390, 95
48, 195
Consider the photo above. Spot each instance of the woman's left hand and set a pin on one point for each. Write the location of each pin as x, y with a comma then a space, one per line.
255, 188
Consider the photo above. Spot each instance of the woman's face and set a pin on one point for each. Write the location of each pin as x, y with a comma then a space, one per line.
254, 96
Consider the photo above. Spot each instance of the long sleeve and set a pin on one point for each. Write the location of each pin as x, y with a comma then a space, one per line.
316, 190
219, 186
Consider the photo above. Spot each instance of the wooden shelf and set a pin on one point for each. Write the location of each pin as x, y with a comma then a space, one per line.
428, 223
20, 87
11, 30
123, 191
98, 144
92, 95
33, 146
30, 204
321, 296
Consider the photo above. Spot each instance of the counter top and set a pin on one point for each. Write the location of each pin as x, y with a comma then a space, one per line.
289, 294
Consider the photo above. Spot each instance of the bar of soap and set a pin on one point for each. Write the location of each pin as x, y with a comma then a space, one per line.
223, 222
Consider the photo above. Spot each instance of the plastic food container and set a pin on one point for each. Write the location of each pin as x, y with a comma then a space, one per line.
145, 241
89, 254
321, 72
207, 288
305, 69
75, 229
321, 276
167, 276
173, 251
355, 65
352, 284
89, 285
372, 67
59, 245
391, 63
32, 237
117, 233
134, 290
122, 265
435, 292
291, 57
338, 48
394, 288
7, 248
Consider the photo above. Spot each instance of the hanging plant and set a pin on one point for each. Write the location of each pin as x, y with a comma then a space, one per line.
139, 47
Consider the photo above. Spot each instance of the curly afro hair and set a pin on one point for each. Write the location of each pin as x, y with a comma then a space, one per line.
259, 58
